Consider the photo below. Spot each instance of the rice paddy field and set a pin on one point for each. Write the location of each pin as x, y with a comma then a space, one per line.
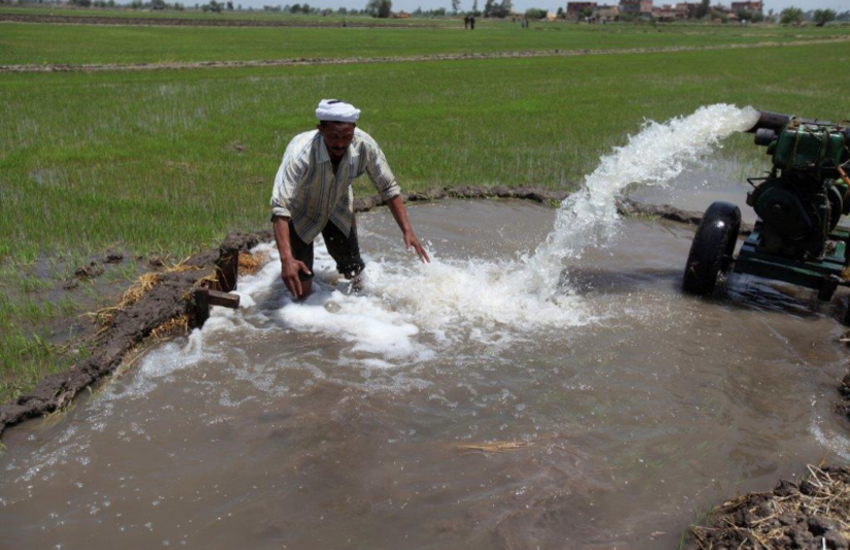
167, 162
61, 44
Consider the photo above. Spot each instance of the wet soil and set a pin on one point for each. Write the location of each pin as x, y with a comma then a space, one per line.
168, 299
34, 68
811, 514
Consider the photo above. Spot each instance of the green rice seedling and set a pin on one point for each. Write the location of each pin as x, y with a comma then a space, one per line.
62, 44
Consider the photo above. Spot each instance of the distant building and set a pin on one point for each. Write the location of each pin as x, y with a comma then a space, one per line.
753, 7
684, 10
575, 9
641, 8
607, 11
665, 13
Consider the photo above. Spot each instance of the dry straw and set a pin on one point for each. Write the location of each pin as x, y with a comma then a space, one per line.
764, 521
250, 264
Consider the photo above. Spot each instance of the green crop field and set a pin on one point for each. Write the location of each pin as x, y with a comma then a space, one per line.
267, 16
169, 162
58, 44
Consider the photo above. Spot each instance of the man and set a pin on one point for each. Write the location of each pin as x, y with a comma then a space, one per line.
312, 194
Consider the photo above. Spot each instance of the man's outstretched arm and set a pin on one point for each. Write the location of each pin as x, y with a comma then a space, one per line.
289, 266
396, 206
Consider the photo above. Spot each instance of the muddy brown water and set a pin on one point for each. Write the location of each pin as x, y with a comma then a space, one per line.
408, 417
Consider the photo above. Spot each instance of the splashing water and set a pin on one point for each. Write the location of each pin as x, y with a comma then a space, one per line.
655, 156
407, 310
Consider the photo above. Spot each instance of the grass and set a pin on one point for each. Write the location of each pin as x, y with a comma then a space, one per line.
70, 11
169, 162
62, 44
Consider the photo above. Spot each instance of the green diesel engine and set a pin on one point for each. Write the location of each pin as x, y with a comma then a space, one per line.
805, 194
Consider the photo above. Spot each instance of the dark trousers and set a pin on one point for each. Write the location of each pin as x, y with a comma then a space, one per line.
344, 250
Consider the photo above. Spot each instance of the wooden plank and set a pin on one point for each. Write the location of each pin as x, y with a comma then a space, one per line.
216, 298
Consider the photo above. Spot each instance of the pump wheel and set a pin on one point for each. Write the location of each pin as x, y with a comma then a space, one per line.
713, 245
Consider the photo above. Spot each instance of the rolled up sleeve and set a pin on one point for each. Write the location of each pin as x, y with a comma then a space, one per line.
380, 174
285, 182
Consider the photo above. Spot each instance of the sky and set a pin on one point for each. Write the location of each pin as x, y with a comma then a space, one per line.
522, 5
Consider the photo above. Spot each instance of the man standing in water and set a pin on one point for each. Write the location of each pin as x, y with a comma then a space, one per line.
312, 194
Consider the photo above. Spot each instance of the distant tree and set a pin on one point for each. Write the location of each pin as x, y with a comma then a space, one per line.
455, 6
213, 6
822, 17
752, 16
790, 15
843, 16
158, 5
137, 4
561, 14
379, 8
504, 9
586, 13
342, 11
488, 7
229, 6
535, 13
475, 11
702, 9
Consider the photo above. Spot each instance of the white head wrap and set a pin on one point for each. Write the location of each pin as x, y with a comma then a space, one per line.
333, 110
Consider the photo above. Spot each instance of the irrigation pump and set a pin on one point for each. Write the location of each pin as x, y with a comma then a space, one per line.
797, 238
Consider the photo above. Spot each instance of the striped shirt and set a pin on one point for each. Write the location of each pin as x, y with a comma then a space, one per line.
307, 192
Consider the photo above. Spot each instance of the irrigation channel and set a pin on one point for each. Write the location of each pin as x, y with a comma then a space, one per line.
511, 394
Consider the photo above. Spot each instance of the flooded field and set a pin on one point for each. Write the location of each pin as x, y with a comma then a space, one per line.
530, 388
406, 416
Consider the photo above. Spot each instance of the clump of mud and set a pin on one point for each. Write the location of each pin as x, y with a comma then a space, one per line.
814, 514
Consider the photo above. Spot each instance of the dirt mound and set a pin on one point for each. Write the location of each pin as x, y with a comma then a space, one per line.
167, 299
811, 515
184, 65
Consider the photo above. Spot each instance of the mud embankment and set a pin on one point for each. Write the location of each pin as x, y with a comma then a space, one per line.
190, 22
810, 515
168, 299
181, 65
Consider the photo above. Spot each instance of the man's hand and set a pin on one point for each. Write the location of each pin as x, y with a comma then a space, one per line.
410, 241
289, 270
396, 206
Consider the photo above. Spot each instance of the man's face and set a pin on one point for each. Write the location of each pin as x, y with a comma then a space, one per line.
337, 136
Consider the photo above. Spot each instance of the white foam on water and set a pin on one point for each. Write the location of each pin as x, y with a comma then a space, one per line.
409, 311
834, 442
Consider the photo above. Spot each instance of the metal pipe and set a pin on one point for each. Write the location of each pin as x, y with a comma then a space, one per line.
778, 121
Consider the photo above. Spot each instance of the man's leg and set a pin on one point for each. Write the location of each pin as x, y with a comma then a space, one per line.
344, 250
303, 252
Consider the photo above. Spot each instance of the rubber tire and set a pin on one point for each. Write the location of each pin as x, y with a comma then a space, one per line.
715, 239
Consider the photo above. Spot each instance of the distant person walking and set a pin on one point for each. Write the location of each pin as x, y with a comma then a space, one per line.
472, 21
466, 22
312, 195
